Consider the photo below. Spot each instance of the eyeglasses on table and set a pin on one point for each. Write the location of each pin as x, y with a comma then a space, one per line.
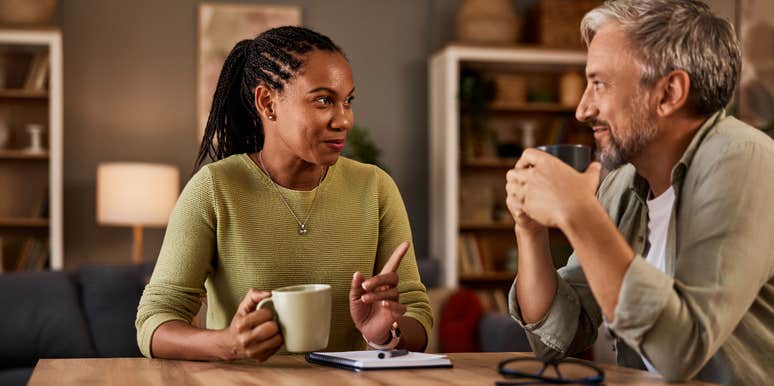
533, 371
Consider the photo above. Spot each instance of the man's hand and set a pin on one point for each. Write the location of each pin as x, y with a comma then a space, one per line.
547, 191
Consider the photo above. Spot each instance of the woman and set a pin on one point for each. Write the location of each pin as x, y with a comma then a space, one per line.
280, 207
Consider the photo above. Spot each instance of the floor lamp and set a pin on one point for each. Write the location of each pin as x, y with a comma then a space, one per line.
136, 195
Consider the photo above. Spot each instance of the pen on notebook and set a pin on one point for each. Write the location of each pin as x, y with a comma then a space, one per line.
392, 353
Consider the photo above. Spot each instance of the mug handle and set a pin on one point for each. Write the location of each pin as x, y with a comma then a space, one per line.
263, 304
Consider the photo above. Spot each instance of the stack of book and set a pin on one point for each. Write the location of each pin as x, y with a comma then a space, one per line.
473, 258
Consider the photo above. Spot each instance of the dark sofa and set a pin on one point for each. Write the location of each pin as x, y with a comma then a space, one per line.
86, 313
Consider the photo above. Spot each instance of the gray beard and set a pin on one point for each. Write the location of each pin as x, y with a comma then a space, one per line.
642, 128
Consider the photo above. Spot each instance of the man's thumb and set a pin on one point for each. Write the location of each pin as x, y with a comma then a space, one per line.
593, 171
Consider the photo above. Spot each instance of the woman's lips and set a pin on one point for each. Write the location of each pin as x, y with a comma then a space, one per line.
336, 145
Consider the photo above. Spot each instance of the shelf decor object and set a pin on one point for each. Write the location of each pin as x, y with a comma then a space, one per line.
136, 195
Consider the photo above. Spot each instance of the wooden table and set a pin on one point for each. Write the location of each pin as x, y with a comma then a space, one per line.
469, 369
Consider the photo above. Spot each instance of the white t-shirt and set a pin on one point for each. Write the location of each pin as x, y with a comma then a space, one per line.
659, 211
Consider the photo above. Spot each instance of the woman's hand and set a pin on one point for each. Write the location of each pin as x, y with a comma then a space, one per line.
252, 333
373, 303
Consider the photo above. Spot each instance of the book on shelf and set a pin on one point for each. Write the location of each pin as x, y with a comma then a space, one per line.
33, 255
36, 75
462, 253
43, 207
471, 258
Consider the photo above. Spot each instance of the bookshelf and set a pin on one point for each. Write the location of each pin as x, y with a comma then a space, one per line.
471, 231
31, 179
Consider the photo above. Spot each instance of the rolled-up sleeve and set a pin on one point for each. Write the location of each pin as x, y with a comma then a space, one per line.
571, 323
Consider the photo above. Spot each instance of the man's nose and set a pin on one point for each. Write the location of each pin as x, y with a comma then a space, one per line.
586, 108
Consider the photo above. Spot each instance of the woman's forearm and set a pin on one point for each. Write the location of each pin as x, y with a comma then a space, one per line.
413, 336
177, 339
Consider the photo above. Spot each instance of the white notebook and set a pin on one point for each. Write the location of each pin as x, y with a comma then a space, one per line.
370, 360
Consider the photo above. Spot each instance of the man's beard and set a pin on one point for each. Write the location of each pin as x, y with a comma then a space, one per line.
638, 131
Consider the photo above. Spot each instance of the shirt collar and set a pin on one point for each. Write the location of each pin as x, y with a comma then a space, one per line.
640, 185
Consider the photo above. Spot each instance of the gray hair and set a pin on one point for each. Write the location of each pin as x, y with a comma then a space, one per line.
668, 35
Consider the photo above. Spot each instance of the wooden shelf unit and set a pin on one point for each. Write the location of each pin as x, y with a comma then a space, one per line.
31, 224
455, 179
15, 93
23, 155
24, 223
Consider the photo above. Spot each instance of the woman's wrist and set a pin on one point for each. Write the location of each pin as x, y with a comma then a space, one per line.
224, 342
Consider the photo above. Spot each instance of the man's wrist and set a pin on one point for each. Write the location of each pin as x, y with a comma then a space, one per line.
574, 217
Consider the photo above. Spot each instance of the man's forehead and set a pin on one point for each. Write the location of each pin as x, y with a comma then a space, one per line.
608, 51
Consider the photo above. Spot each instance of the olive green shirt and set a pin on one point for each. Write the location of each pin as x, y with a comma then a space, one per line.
231, 231
711, 314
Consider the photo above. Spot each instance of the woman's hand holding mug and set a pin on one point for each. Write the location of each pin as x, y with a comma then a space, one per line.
253, 333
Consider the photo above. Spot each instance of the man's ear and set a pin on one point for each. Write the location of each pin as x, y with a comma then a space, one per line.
673, 92
264, 102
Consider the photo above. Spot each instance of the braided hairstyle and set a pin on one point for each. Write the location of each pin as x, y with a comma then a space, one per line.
272, 58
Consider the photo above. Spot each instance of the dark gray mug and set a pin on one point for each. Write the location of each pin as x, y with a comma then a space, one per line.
577, 156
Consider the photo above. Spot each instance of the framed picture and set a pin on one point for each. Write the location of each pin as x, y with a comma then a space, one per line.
756, 89
221, 26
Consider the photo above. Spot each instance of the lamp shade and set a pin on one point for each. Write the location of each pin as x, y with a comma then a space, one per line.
131, 194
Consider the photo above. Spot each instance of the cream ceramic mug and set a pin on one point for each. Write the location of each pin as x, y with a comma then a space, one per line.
304, 315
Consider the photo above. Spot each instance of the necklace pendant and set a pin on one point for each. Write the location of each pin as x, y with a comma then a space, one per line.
302, 230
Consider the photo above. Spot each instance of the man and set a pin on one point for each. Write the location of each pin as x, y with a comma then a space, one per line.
676, 250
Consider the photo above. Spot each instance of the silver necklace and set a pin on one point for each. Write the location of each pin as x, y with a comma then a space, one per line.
301, 225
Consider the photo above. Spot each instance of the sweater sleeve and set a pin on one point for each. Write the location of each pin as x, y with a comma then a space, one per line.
394, 229
176, 287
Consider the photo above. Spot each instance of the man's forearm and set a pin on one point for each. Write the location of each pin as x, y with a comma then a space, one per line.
536, 284
602, 251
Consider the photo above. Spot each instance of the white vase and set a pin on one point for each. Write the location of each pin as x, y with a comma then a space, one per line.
36, 138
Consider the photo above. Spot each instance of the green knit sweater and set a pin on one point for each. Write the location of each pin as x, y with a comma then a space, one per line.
230, 231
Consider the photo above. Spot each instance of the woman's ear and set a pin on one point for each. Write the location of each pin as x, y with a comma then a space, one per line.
673, 92
264, 102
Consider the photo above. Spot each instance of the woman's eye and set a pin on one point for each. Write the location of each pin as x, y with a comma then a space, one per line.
324, 100
349, 100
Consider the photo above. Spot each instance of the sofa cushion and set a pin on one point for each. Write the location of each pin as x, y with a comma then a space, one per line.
110, 296
16, 376
42, 318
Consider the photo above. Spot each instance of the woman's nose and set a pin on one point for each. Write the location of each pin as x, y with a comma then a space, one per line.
343, 119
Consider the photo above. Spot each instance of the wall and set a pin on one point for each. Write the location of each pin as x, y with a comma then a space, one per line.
130, 95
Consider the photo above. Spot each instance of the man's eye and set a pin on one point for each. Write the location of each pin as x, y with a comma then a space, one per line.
323, 100
349, 100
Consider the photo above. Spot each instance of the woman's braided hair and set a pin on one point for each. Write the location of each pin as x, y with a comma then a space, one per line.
272, 58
